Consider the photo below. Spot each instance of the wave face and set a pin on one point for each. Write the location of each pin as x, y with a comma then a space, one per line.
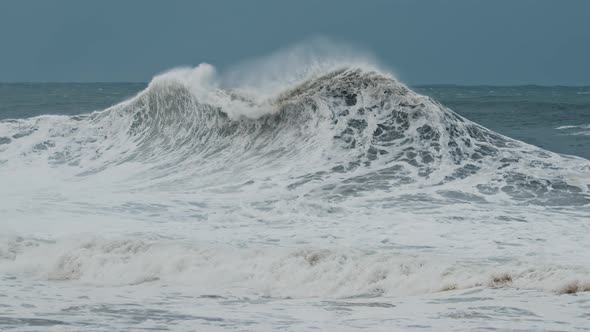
340, 183
340, 134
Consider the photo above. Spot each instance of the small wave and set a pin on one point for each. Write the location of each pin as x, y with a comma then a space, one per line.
576, 130
276, 272
573, 127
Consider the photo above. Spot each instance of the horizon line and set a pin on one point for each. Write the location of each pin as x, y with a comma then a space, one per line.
412, 85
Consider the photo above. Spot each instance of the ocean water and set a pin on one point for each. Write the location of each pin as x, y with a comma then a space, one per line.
338, 199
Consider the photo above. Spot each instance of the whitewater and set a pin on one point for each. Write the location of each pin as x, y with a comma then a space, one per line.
329, 197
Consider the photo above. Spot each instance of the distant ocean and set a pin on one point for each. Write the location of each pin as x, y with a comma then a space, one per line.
339, 201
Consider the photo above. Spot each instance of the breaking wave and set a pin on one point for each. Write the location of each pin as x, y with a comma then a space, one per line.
337, 133
340, 142
275, 272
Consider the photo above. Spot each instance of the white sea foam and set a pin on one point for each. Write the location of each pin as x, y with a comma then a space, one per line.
276, 272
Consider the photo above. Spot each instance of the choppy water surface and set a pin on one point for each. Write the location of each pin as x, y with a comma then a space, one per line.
338, 200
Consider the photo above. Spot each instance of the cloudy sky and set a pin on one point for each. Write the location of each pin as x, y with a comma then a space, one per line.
460, 42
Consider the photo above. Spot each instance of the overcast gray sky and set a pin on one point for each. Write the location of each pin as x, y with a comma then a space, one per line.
462, 41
